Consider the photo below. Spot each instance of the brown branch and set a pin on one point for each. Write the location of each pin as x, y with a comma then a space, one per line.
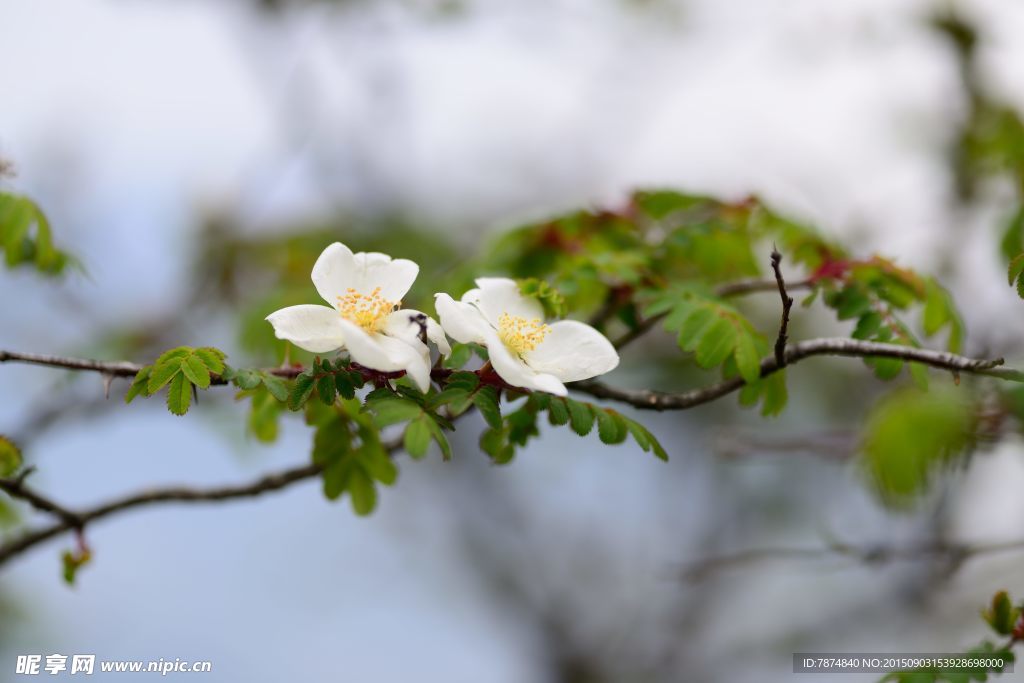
955, 553
787, 304
839, 346
118, 368
15, 487
78, 520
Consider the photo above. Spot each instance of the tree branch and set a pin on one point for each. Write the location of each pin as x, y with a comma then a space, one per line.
787, 304
69, 520
955, 553
837, 346
15, 488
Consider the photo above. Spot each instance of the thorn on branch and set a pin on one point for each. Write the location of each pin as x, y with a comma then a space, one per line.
787, 305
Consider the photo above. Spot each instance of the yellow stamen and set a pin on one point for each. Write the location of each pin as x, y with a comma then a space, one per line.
519, 334
367, 311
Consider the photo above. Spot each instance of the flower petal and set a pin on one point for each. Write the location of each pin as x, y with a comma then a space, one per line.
572, 351
405, 324
517, 373
334, 272
393, 276
461, 321
311, 327
498, 295
387, 354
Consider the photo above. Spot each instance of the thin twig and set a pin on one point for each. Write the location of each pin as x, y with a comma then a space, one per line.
838, 346
787, 304
956, 553
15, 488
78, 520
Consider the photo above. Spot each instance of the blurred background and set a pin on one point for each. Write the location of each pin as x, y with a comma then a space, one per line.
188, 153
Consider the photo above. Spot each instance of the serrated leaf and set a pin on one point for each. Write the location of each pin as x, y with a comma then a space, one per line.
611, 428
417, 437
250, 379
440, 438
179, 394
647, 441
486, 401
495, 443
581, 416
326, 389
867, 325
715, 345
694, 328
161, 374
558, 413
748, 362
173, 354
1016, 269
196, 371
263, 417
457, 398
277, 387
212, 358
344, 385
389, 411
775, 394
362, 492
301, 390
139, 385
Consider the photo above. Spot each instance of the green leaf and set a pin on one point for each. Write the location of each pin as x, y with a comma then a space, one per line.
161, 374
10, 457
550, 298
179, 395
175, 354
486, 401
440, 438
196, 371
647, 441
250, 379
140, 385
326, 389
277, 387
1016, 269
263, 416
611, 428
717, 342
910, 435
344, 384
748, 361
1002, 616
362, 491
71, 562
460, 355
417, 437
301, 390
581, 416
867, 325
495, 443
212, 358
389, 411
694, 327
775, 393
558, 413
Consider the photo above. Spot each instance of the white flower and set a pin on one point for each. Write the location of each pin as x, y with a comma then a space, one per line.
365, 292
523, 350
